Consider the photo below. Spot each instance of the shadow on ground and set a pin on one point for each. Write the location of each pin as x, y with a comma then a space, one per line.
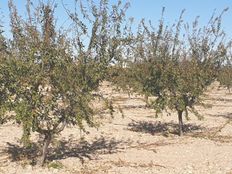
227, 100
19, 153
190, 130
215, 133
161, 128
226, 115
85, 149
65, 149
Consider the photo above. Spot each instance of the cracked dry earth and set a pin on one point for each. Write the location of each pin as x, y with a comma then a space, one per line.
137, 143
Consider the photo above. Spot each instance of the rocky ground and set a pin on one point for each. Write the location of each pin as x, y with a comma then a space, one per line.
135, 143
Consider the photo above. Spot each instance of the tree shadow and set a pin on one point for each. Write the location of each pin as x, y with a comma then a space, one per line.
84, 149
139, 106
161, 128
221, 105
20, 153
214, 135
65, 149
228, 100
226, 115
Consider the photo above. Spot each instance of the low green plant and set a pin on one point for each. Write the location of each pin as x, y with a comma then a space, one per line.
55, 165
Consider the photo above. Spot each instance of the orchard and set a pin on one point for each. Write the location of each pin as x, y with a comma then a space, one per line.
50, 76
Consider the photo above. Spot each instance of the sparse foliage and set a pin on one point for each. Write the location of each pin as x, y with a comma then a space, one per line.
56, 76
177, 69
49, 76
225, 77
7, 80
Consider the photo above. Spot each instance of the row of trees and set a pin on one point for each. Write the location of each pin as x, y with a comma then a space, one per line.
48, 76
176, 64
225, 76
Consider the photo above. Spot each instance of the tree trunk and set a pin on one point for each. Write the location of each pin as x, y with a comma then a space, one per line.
47, 141
129, 95
180, 122
146, 101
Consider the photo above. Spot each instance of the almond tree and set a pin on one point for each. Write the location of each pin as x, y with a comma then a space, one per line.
177, 69
225, 77
7, 79
56, 76
3, 90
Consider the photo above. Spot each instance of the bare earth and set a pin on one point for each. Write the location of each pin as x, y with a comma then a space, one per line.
137, 143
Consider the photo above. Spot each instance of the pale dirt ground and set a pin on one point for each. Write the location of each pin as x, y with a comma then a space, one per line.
139, 143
